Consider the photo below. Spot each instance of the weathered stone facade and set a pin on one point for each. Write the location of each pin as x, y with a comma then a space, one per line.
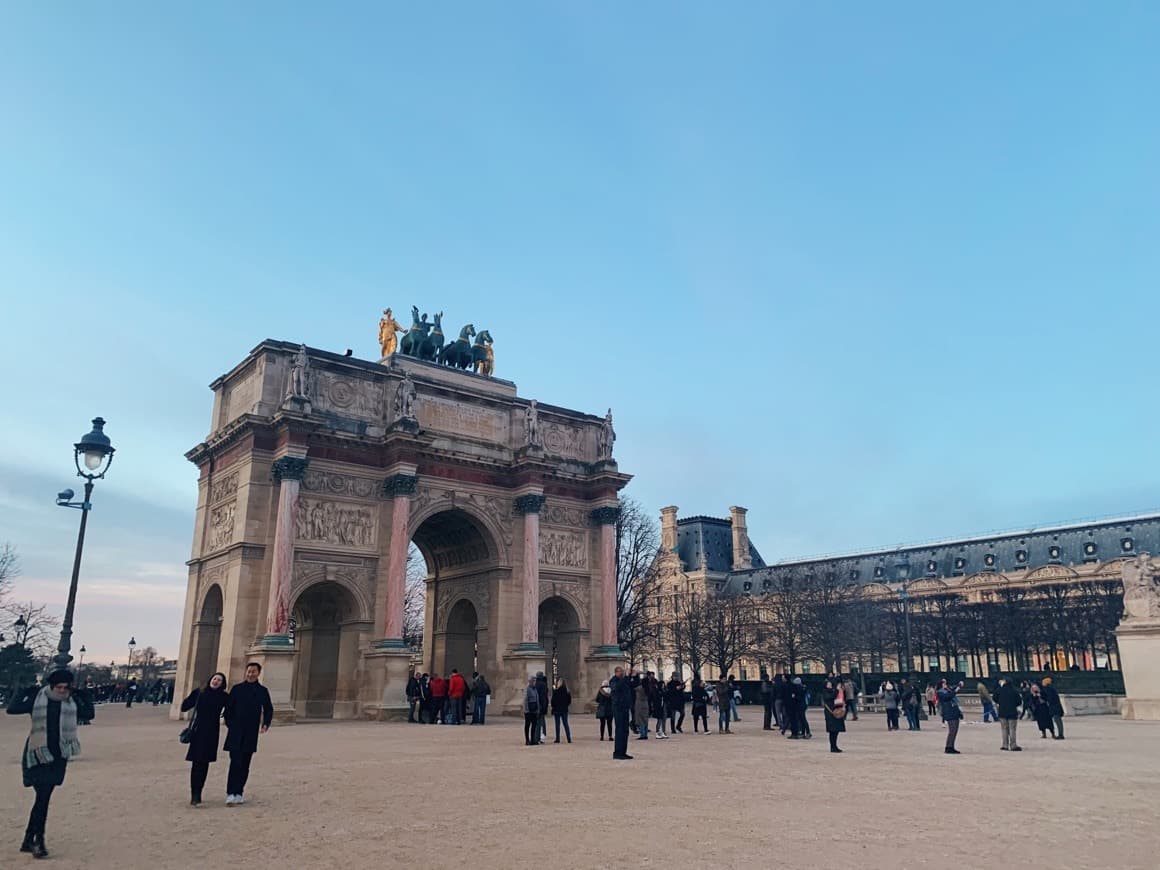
319, 472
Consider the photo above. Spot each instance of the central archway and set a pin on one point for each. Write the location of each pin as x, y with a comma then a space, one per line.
326, 639
462, 561
560, 635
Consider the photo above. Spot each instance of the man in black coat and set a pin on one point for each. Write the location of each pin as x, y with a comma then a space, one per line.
780, 696
248, 713
1009, 698
623, 688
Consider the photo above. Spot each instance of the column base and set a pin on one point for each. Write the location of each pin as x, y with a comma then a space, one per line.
387, 666
523, 661
276, 654
607, 651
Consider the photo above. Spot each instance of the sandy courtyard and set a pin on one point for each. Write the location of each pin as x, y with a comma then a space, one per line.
392, 795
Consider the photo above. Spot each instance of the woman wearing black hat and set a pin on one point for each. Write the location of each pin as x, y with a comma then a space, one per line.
204, 731
51, 743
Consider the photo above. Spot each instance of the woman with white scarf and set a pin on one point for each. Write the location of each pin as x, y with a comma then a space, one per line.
51, 743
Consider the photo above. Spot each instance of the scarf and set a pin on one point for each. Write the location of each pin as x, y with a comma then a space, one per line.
36, 752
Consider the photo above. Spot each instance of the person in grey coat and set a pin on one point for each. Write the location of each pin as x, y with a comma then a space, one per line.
892, 701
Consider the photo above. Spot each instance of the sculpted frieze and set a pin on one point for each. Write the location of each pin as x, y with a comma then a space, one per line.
221, 526
559, 515
340, 484
564, 441
223, 487
337, 524
348, 397
563, 549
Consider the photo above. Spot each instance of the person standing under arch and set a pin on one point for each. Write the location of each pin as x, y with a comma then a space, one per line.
561, 701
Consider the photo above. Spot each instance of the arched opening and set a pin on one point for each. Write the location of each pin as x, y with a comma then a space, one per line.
207, 636
462, 624
461, 563
560, 636
326, 639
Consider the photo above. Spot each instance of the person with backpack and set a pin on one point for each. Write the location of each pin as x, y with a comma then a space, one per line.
479, 693
910, 705
891, 700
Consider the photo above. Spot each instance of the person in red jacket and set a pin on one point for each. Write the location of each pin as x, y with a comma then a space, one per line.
457, 692
438, 698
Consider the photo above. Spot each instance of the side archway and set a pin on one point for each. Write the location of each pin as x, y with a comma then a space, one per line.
207, 636
560, 630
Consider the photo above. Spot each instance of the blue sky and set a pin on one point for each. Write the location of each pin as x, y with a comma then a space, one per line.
879, 273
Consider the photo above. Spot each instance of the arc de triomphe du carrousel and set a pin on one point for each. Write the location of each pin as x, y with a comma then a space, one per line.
318, 473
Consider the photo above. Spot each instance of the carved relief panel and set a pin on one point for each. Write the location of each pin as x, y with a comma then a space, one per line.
341, 484
457, 418
335, 523
221, 526
562, 549
348, 397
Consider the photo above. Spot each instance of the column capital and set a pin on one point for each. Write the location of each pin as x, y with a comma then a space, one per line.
290, 468
529, 504
605, 516
400, 484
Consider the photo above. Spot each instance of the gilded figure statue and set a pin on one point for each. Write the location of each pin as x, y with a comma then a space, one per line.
388, 327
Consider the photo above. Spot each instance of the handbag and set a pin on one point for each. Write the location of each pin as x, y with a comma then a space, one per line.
837, 712
186, 735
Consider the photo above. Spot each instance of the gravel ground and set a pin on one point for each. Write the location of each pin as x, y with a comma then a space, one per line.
385, 795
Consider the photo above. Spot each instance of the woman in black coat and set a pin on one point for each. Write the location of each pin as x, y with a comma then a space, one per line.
835, 720
204, 731
51, 743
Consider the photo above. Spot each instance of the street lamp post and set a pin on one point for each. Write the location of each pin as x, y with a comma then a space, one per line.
95, 452
132, 645
81, 665
905, 595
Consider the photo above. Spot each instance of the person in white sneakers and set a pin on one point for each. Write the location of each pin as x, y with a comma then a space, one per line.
248, 713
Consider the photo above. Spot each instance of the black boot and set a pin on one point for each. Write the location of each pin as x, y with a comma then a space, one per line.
29, 844
39, 850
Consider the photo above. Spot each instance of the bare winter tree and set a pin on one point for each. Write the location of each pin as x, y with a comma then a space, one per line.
9, 569
414, 598
691, 629
38, 632
784, 610
637, 585
730, 628
830, 628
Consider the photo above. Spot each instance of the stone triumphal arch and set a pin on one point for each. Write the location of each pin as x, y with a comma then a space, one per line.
320, 471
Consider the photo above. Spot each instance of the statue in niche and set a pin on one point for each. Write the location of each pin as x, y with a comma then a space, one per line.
406, 398
532, 425
299, 376
605, 437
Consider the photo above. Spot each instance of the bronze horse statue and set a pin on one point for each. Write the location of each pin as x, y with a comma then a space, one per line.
482, 355
458, 354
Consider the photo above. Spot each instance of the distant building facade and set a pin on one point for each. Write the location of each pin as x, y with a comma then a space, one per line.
713, 556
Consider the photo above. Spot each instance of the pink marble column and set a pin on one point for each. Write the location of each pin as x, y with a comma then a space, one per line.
529, 506
288, 471
401, 487
606, 518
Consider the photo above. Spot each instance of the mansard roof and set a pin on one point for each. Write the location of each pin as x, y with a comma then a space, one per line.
708, 542
1014, 553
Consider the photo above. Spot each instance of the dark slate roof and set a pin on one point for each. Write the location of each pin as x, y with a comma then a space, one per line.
712, 538
1011, 553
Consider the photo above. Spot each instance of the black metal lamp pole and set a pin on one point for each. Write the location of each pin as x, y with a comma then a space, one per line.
905, 593
96, 453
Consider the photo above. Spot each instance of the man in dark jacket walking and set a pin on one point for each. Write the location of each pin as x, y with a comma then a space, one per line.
767, 701
248, 713
623, 687
1054, 704
780, 695
1009, 698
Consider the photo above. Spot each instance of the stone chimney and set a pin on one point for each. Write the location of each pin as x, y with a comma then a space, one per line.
669, 528
741, 558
